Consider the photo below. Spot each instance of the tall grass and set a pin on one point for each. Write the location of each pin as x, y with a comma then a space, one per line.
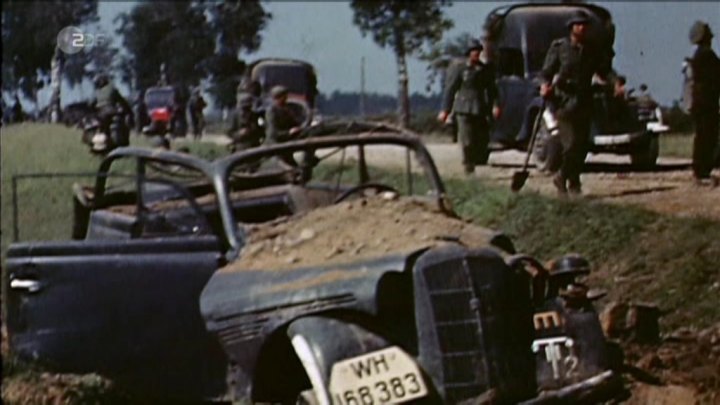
676, 145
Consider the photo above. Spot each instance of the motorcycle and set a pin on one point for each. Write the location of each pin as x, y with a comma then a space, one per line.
100, 141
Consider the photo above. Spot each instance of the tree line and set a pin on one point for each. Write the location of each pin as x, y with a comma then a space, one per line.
193, 42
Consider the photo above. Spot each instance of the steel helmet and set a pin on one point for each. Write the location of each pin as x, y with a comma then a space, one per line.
699, 31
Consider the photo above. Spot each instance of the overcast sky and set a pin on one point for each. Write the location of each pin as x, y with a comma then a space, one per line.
651, 41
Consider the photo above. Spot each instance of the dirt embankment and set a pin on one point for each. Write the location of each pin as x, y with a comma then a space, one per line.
353, 230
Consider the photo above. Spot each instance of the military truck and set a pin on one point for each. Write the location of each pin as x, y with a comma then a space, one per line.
298, 76
516, 39
332, 280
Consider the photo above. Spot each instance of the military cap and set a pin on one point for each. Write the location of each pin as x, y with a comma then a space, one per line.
579, 17
278, 91
698, 31
245, 99
473, 45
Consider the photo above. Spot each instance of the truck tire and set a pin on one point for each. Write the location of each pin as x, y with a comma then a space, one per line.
645, 158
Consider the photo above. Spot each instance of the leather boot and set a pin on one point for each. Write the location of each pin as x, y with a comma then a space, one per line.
559, 183
574, 186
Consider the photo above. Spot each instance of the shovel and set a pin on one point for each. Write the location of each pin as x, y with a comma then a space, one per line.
519, 178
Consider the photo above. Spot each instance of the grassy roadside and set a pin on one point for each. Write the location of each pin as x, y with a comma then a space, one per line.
676, 145
45, 205
637, 255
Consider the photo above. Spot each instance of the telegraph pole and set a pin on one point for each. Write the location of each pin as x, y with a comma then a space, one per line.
362, 87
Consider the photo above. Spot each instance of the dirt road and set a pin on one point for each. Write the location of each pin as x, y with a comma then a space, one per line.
668, 189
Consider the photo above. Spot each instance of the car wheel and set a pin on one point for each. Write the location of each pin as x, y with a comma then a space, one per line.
547, 151
646, 158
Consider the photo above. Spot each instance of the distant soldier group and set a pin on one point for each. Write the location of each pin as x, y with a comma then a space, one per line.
572, 66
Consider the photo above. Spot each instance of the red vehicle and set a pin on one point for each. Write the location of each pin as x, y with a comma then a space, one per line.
159, 102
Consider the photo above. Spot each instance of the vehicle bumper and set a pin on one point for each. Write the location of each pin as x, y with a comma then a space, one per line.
621, 139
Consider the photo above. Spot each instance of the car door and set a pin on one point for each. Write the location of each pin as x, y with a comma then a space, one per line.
124, 301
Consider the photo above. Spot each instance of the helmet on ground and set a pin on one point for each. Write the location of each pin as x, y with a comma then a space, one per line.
572, 264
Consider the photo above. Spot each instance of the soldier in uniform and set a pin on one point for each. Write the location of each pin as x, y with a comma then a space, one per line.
195, 108
280, 124
704, 108
107, 101
253, 89
244, 130
471, 93
567, 75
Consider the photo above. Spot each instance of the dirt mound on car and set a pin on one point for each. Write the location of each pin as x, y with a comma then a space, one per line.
354, 230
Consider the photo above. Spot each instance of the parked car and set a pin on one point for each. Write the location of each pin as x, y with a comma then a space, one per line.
516, 39
194, 280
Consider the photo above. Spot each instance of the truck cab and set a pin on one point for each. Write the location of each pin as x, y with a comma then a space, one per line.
517, 38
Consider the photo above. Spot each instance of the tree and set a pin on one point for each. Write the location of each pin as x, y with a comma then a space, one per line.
29, 35
173, 33
193, 40
405, 27
81, 65
237, 26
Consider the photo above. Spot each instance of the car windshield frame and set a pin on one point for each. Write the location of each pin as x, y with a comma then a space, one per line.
411, 142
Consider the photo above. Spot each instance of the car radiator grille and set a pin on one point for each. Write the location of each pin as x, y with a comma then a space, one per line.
458, 328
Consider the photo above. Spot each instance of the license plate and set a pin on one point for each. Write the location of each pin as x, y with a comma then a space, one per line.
382, 377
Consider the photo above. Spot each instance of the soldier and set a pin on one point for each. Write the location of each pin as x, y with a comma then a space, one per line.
470, 92
253, 89
644, 99
244, 130
196, 106
704, 107
107, 101
280, 124
567, 74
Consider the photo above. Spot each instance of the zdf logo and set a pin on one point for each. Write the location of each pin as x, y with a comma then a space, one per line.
72, 40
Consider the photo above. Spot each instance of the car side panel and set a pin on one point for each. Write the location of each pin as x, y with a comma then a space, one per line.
125, 308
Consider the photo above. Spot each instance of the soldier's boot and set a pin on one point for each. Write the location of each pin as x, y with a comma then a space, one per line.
574, 186
469, 169
559, 183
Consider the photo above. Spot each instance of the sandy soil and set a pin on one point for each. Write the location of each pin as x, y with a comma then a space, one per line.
354, 230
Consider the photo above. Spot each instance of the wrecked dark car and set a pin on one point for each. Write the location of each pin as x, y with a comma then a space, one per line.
325, 270
517, 38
